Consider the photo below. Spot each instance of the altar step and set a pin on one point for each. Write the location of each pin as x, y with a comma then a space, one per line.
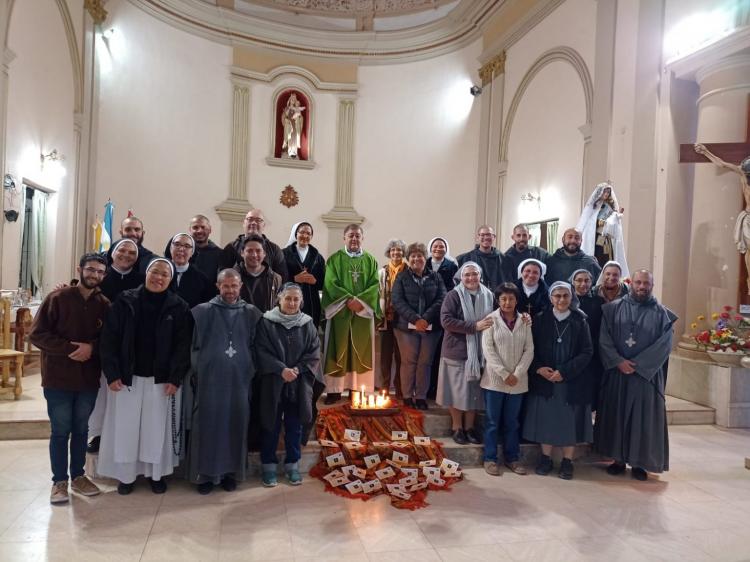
683, 412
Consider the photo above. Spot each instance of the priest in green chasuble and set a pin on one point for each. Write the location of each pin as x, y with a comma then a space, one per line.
350, 305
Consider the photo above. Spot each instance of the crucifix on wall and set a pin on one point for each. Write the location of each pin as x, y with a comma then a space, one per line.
735, 157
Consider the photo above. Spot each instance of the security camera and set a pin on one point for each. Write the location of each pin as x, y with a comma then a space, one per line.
475, 90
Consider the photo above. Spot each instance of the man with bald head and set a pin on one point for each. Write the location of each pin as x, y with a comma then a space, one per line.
254, 223
206, 254
635, 340
496, 268
569, 258
521, 250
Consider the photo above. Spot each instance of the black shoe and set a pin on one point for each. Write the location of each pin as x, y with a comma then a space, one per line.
544, 466
459, 437
566, 469
93, 446
203, 489
472, 436
639, 474
422, 404
616, 468
229, 483
124, 489
158, 486
408, 403
332, 398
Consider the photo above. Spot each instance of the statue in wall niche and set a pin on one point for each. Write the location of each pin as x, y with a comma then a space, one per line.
293, 122
742, 225
600, 226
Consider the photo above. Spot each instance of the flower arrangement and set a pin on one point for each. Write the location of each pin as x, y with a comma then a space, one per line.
730, 333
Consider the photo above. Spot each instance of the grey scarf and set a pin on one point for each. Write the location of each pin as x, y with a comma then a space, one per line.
289, 321
473, 312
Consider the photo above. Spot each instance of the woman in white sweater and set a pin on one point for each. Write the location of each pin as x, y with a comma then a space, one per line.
508, 349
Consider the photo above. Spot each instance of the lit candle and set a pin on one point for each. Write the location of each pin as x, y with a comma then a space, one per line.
371, 401
379, 401
355, 398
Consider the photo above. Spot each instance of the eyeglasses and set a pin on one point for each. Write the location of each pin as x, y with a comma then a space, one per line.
182, 246
95, 271
254, 220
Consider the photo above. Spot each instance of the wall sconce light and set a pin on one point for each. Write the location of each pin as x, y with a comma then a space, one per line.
530, 198
475, 91
53, 156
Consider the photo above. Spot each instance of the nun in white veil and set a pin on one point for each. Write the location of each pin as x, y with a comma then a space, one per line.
600, 226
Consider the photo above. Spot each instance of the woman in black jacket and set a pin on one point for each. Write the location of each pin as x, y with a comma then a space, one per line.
591, 304
288, 350
306, 267
533, 293
558, 411
145, 353
417, 297
189, 282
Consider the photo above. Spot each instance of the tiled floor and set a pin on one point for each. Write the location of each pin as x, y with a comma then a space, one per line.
698, 511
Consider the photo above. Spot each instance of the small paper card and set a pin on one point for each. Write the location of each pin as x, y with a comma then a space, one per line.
381, 444
431, 471
448, 465
408, 481
336, 459
401, 444
430, 462
400, 494
354, 471
354, 445
391, 487
327, 443
417, 487
354, 487
371, 486
421, 440
411, 471
437, 481
348, 470
340, 481
400, 458
352, 435
454, 474
393, 464
333, 475
399, 435
372, 460
385, 473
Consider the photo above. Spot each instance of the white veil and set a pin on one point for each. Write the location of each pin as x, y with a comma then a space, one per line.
612, 227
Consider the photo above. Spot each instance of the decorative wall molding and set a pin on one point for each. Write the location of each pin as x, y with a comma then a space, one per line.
96, 10
75, 57
559, 54
462, 26
494, 67
298, 72
240, 140
686, 67
722, 65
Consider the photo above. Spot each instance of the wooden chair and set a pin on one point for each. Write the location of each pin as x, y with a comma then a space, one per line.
8, 356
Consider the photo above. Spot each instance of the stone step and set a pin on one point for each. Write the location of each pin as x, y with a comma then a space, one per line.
683, 412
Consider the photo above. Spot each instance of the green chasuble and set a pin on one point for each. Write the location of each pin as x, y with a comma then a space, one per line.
348, 335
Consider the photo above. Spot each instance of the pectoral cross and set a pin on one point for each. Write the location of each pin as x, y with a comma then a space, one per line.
528, 308
630, 342
355, 275
230, 351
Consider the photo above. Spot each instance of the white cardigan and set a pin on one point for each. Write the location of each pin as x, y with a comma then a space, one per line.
507, 353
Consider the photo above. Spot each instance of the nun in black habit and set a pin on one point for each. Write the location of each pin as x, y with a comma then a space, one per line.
189, 282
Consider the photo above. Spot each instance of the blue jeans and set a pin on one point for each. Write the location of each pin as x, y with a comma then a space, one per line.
288, 413
417, 350
506, 407
68, 413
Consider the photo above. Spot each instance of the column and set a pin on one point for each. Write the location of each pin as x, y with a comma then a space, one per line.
7, 58
717, 197
233, 210
343, 212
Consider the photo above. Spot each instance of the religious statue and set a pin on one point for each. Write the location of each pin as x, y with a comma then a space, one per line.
742, 226
293, 123
600, 226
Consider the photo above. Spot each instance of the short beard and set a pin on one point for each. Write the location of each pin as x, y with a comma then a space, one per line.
575, 249
639, 298
87, 284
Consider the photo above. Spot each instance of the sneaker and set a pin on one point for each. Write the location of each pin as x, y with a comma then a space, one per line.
566, 469
59, 492
124, 489
544, 466
332, 398
158, 486
459, 437
93, 446
269, 479
639, 474
205, 488
492, 468
84, 486
294, 477
616, 468
422, 404
229, 483
472, 436
516, 468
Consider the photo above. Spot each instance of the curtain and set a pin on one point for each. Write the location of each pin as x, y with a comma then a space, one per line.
535, 234
37, 240
552, 236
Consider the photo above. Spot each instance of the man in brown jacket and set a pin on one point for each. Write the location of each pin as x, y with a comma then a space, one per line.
66, 329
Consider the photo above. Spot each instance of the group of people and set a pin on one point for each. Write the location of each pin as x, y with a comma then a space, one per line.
188, 360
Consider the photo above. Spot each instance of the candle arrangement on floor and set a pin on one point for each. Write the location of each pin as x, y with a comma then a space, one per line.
362, 403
